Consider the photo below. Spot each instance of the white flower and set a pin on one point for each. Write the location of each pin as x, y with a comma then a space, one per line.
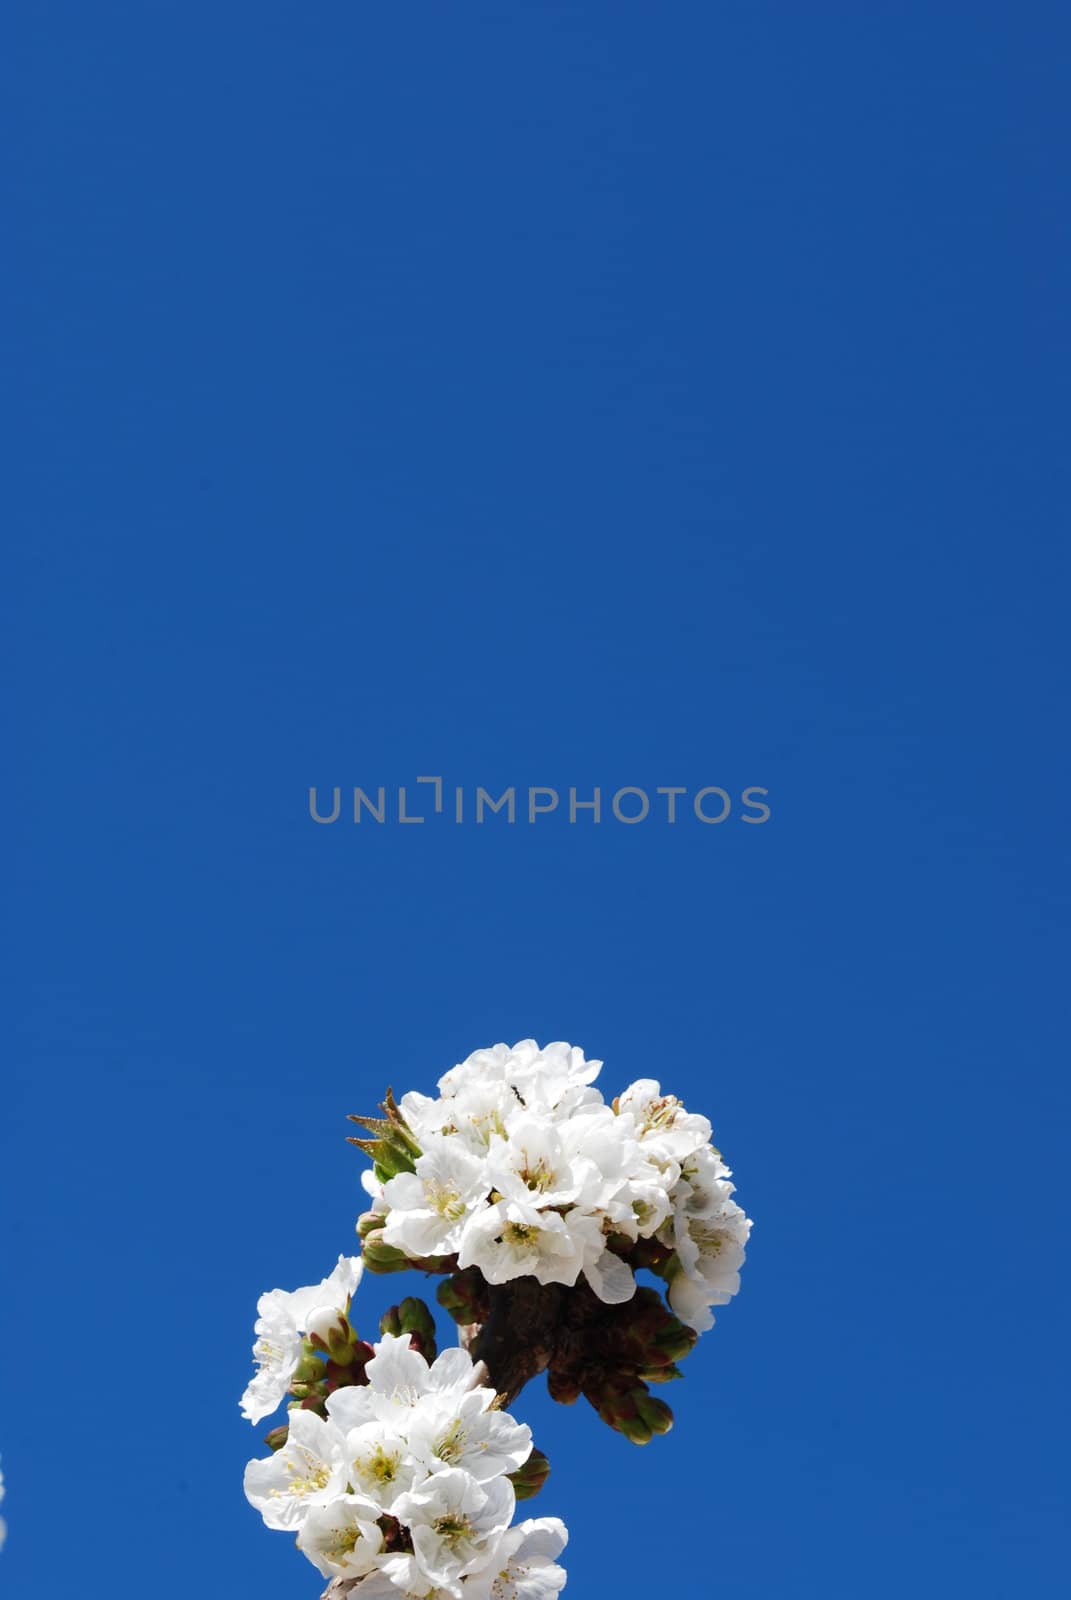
378, 1462
512, 1240
484, 1094
641, 1206
667, 1132
342, 1539
428, 1208
709, 1234
452, 1431
282, 1318
398, 1376
470, 1118
309, 1470
453, 1521
524, 1565
540, 1164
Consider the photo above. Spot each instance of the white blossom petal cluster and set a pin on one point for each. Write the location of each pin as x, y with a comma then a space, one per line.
404, 1486
283, 1317
526, 1171
706, 1229
396, 1472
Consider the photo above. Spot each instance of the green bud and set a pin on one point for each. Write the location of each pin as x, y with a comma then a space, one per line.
465, 1296
435, 1264
634, 1429
314, 1402
655, 1413
391, 1322
330, 1331
310, 1365
412, 1317
530, 1478
380, 1257
277, 1437
676, 1343
660, 1374
418, 1321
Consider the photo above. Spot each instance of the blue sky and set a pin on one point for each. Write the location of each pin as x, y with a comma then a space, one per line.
565, 395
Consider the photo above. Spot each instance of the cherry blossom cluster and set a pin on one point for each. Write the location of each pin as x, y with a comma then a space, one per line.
519, 1168
398, 1476
398, 1469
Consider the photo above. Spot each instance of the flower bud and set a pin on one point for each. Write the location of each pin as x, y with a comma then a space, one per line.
660, 1374
466, 1297
655, 1413
370, 1222
328, 1325
434, 1264
675, 1343
635, 1430
412, 1317
277, 1437
380, 1257
310, 1366
530, 1478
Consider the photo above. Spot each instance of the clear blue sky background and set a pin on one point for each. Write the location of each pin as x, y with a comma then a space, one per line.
560, 394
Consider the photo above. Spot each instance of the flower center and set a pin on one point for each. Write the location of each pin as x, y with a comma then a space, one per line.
380, 1466
539, 1177
451, 1446
663, 1113
710, 1240
307, 1473
446, 1201
452, 1528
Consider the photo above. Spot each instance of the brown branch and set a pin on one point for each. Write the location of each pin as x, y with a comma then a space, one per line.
517, 1341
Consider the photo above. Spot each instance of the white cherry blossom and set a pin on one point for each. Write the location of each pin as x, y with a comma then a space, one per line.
513, 1239
710, 1234
398, 1377
428, 1208
540, 1165
283, 1316
343, 1538
665, 1129
524, 1565
464, 1431
379, 1463
453, 1521
309, 1470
